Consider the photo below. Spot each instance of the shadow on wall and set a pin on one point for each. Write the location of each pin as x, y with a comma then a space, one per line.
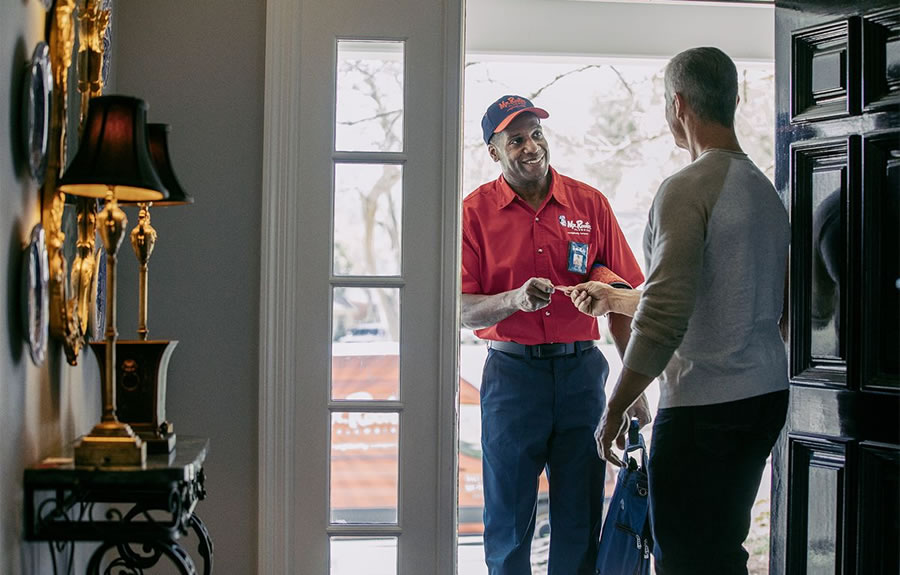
14, 311
18, 65
16, 247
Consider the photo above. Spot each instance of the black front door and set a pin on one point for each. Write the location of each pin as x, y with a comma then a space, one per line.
836, 479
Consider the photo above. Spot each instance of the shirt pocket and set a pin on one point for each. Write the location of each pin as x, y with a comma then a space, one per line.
564, 259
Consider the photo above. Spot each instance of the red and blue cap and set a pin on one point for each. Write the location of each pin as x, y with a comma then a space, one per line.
503, 111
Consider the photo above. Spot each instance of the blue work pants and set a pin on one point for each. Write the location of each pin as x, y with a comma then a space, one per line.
540, 415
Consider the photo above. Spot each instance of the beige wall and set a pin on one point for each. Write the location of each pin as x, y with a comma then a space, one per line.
200, 67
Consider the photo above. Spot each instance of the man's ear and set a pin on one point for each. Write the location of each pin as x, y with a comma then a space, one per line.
678, 105
492, 150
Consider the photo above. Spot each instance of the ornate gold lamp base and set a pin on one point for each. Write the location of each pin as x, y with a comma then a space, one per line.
110, 443
141, 368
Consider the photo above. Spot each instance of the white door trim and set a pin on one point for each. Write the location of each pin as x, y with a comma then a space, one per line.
279, 290
448, 402
279, 273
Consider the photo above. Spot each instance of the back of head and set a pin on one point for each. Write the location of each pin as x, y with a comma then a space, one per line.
706, 78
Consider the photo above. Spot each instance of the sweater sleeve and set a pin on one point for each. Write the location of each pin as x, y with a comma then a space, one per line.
677, 235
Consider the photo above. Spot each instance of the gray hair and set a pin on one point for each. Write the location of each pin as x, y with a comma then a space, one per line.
707, 80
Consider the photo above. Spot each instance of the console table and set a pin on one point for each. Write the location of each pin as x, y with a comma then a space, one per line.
137, 513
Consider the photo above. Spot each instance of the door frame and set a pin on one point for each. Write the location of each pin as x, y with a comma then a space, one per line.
280, 332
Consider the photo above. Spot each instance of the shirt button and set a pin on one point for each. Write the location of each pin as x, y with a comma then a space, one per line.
546, 313
537, 219
540, 250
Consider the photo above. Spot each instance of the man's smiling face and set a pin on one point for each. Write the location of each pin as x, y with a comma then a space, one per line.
522, 151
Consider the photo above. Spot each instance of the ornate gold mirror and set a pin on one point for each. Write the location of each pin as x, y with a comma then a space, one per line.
79, 41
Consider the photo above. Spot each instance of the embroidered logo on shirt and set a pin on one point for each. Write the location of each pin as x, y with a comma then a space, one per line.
575, 225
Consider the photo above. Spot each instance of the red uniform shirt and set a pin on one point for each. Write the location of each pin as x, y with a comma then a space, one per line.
505, 242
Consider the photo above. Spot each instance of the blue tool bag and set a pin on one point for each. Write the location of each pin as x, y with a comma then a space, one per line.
626, 543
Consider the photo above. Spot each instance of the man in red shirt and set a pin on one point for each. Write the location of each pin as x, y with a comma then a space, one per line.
527, 235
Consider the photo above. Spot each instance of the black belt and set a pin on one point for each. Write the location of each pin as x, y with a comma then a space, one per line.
541, 350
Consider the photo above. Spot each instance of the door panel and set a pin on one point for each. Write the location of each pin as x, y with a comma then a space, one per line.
879, 523
837, 166
825, 70
824, 183
882, 249
819, 497
881, 51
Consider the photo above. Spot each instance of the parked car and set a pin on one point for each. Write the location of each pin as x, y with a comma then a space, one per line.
365, 332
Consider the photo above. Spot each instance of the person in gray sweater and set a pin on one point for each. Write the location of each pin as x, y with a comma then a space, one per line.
706, 324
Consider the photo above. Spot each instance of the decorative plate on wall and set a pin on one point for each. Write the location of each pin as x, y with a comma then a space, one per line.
35, 295
37, 91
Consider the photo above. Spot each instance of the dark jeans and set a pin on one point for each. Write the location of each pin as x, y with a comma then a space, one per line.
705, 466
539, 415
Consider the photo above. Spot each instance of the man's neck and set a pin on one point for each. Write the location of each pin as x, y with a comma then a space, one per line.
703, 136
533, 193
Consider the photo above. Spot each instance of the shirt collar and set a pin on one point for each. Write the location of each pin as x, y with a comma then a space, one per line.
557, 191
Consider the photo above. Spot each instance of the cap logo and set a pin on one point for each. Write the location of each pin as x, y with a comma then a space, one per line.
513, 102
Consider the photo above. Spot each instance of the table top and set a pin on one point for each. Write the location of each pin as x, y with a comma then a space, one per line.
182, 464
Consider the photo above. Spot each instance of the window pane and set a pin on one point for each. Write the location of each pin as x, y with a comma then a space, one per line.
369, 114
364, 467
370, 555
365, 344
367, 214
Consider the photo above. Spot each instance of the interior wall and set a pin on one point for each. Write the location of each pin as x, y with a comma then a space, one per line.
200, 67
43, 409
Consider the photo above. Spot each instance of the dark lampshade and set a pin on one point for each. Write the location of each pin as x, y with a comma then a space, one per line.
113, 154
159, 151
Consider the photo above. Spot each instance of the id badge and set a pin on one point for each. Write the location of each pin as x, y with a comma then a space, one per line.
578, 255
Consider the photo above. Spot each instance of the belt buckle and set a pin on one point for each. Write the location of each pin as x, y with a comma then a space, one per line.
545, 350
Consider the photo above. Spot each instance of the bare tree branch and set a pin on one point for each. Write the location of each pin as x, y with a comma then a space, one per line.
378, 116
622, 79
537, 93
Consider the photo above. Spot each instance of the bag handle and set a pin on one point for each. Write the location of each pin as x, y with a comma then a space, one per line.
634, 441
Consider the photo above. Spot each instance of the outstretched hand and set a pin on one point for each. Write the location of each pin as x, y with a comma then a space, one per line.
592, 298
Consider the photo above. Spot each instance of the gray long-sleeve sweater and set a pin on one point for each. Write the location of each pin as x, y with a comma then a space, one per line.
716, 247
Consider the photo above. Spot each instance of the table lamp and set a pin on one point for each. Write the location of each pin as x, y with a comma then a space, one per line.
143, 363
112, 162
143, 236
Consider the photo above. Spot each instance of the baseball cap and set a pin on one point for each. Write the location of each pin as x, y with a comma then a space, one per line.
501, 113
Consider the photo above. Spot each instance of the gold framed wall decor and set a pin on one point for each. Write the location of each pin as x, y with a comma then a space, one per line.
79, 57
